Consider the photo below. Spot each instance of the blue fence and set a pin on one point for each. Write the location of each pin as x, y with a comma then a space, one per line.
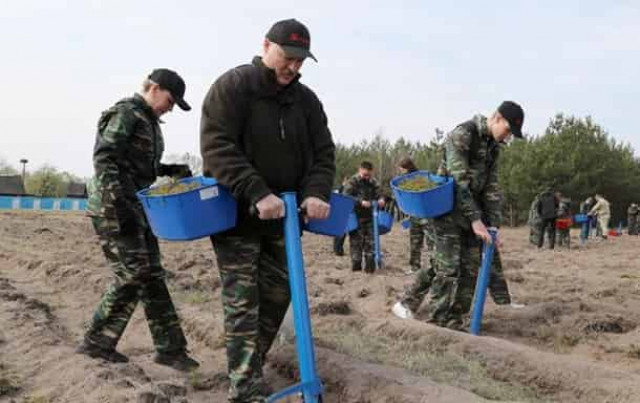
41, 203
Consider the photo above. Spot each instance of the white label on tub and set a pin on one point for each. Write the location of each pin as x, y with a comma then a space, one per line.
209, 193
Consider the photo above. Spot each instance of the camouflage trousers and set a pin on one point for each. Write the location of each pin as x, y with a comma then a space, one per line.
138, 276
420, 233
457, 260
416, 292
361, 243
255, 298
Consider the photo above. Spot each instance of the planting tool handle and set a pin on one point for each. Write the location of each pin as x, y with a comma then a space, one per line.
482, 283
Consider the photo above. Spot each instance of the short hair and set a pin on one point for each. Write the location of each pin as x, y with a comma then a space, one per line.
408, 164
146, 85
366, 165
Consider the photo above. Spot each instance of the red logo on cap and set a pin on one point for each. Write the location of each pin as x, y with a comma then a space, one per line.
518, 122
296, 37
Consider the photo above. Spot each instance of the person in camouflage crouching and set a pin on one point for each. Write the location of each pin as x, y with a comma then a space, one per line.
263, 132
471, 156
365, 189
126, 158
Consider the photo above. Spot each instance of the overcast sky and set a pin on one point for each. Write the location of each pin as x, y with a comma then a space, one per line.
405, 67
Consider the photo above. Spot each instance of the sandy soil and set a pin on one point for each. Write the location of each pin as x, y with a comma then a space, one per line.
575, 341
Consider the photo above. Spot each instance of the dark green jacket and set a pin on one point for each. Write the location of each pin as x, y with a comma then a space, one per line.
471, 158
363, 190
258, 138
126, 158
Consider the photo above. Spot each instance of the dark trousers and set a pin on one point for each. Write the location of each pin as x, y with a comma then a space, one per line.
549, 226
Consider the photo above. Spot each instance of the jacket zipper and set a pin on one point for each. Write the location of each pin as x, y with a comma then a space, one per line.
282, 131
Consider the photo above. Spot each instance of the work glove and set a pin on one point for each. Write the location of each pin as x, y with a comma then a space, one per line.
176, 171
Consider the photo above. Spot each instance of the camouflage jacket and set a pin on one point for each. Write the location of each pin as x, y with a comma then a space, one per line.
126, 158
471, 157
362, 190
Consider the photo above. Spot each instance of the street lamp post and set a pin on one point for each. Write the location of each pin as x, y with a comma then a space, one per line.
24, 161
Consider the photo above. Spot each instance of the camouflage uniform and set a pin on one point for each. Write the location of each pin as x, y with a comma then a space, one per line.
361, 240
420, 234
632, 217
126, 158
471, 159
535, 222
416, 292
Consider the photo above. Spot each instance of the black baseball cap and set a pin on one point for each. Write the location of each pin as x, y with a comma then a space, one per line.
170, 80
293, 37
514, 114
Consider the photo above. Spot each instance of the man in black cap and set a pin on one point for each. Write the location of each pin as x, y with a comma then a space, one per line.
262, 133
471, 155
126, 158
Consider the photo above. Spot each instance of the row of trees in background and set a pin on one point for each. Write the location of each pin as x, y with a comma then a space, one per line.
47, 181
575, 156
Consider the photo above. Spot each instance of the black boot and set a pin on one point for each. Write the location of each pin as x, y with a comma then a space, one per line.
356, 265
96, 351
370, 265
178, 360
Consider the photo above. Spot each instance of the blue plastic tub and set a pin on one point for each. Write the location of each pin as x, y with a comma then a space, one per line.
352, 224
580, 218
190, 215
336, 223
385, 222
428, 203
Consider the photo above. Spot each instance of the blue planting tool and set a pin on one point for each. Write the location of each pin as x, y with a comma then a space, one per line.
483, 282
406, 224
377, 255
310, 385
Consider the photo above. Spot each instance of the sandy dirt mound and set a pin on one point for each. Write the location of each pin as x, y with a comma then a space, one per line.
576, 340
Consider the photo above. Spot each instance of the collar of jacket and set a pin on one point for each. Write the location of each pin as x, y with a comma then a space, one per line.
481, 124
140, 103
270, 86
